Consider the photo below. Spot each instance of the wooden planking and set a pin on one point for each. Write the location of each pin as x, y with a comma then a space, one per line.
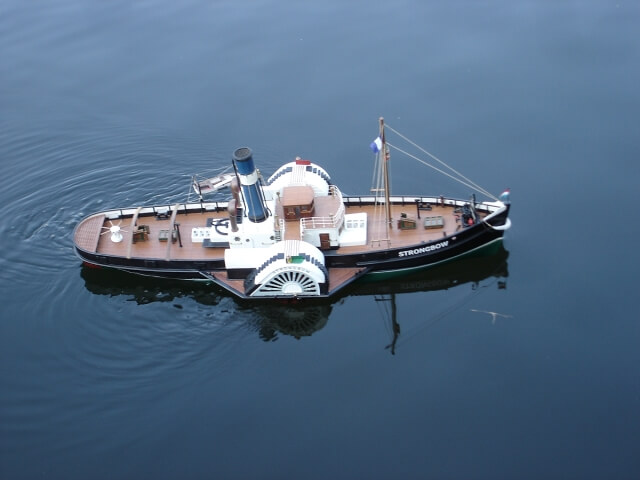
236, 285
399, 238
339, 276
154, 249
292, 231
88, 233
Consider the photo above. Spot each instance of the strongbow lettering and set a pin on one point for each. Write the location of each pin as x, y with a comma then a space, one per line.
428, 248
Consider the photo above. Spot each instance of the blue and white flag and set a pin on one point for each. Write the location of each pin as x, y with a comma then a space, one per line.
376, 145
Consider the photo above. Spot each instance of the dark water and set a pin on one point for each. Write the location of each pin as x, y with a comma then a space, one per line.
117, 103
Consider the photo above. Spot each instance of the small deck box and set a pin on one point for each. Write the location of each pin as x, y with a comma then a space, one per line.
163, 236
434, 222
406, 223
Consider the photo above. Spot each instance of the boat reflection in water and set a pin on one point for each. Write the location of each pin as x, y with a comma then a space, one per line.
301, 319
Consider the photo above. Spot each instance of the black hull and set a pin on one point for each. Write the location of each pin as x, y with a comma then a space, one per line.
382, 263
399, 260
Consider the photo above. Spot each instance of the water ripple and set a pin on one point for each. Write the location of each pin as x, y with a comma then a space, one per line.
98, 348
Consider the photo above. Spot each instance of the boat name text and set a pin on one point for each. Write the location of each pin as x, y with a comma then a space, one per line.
418, 251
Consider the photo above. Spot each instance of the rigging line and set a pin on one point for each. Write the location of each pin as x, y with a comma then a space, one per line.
377, 184
471, 185
376, 173
476, 186
439, 161
218, 171
189, 191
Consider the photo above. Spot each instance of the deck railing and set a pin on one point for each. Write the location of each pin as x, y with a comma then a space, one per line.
331, 221
413, 200
281, 231
166, 209
320, 222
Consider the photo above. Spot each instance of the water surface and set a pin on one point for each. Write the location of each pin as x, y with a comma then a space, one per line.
110, 104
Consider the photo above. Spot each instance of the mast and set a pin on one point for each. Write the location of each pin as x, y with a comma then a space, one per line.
385, 170
383, 226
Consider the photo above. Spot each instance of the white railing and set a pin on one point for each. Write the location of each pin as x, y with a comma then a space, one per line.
331, 221
412, 200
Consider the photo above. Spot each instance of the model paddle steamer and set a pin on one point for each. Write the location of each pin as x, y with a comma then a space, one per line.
294, 235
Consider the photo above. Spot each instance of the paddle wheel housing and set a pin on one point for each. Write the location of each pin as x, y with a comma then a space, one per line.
288, 268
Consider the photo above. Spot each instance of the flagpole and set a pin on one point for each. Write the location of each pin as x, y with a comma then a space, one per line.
385, 167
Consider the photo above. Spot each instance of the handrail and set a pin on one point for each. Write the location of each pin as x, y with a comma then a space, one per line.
409, 199
348, 200
331, 221
282, 228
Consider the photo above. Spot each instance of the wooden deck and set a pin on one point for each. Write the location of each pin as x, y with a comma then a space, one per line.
338, 277
380, 238
92, 237
88, 236
152, 247
235, 285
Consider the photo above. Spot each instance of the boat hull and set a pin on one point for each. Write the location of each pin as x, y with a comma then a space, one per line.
400, 260
294, 235
378, 264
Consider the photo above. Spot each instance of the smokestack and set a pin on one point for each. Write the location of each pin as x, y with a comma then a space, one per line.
251, 190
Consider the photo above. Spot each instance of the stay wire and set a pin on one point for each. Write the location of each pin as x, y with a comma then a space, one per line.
460, 177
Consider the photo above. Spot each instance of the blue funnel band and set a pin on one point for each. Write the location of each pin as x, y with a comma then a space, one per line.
251, 190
